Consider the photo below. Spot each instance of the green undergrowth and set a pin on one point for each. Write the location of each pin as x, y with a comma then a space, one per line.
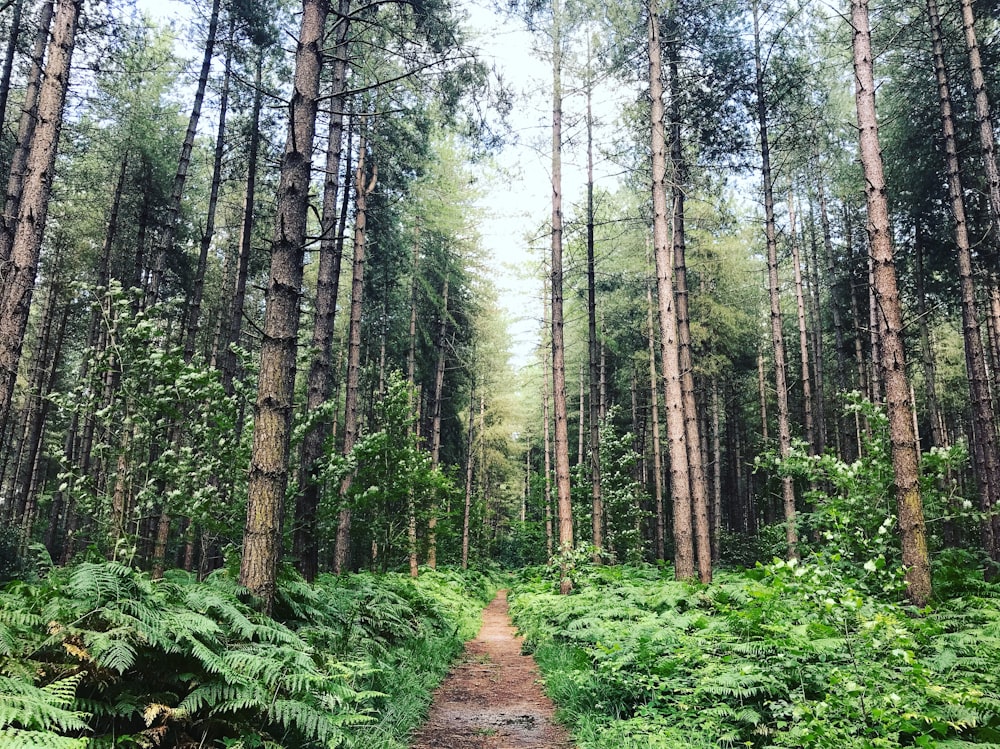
100, 655
784, 655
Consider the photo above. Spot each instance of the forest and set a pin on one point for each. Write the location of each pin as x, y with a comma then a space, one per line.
267, 449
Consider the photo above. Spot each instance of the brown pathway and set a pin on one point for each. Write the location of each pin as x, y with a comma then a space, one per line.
492, 699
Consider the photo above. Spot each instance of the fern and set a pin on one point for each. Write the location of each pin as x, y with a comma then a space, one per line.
26, 706
15, 738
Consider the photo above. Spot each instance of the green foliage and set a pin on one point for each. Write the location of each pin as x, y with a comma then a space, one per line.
851, 521
102, 655
187, 471
784, 655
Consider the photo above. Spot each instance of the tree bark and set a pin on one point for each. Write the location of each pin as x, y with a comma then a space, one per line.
436, 424
8, 59
777, 336
234, 327
320, 380
654, 399
268, 479
593, 352
18, 278
926, 350
198, 292
696, 465
905, 461
25, 133
165, 245
362, 188
800, 309
680, 482
984, 435
559, 408
411, 379
468, 483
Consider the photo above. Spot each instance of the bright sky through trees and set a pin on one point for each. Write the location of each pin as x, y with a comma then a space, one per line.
517, 187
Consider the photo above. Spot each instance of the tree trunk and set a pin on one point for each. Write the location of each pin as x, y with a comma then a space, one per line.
900, 410
268, 479
559, 409
816, 334
800, 308
320, 381
926, 351
984, 119
198, 292
8, 59
468, 484
436, 424
777, 336
680, 483
654, 400
546, 432
593, 351
234, 328
362, 188
696, 465
716, 473
18, 280
25, 133
984, 435
165, 245
411, 379
833, 280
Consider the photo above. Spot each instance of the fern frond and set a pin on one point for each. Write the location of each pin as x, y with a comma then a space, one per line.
15, 738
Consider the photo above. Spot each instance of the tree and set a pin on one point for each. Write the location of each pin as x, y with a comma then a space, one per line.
560, 442
777, 335
18, 281
273, 412
680, 484
905, 461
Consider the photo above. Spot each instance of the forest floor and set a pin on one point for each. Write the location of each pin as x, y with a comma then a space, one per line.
492, 698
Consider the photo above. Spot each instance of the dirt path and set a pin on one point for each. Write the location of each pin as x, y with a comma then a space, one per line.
491, 699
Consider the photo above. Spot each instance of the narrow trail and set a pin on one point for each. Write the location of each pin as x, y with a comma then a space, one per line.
492, 699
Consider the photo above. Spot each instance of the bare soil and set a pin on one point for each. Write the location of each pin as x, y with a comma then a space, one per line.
492, 698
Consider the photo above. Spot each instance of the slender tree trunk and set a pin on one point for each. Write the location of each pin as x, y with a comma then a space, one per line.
984, 435
716, 473
900, 409
362, 188
34, 410
593, 350
8, 60
800, 307
320, 380
18, 279
411, 379
833, 280
696, 466
582, 422
268, 479
546, 433
198, 292
777, 336
559, 409
468, 484
926, 350
984, 119
874, 332
436, 424
654, 400
680, 483
816, 332
233, 332
165, 245
25, 133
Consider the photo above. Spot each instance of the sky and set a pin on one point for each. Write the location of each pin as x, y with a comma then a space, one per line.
517, 199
